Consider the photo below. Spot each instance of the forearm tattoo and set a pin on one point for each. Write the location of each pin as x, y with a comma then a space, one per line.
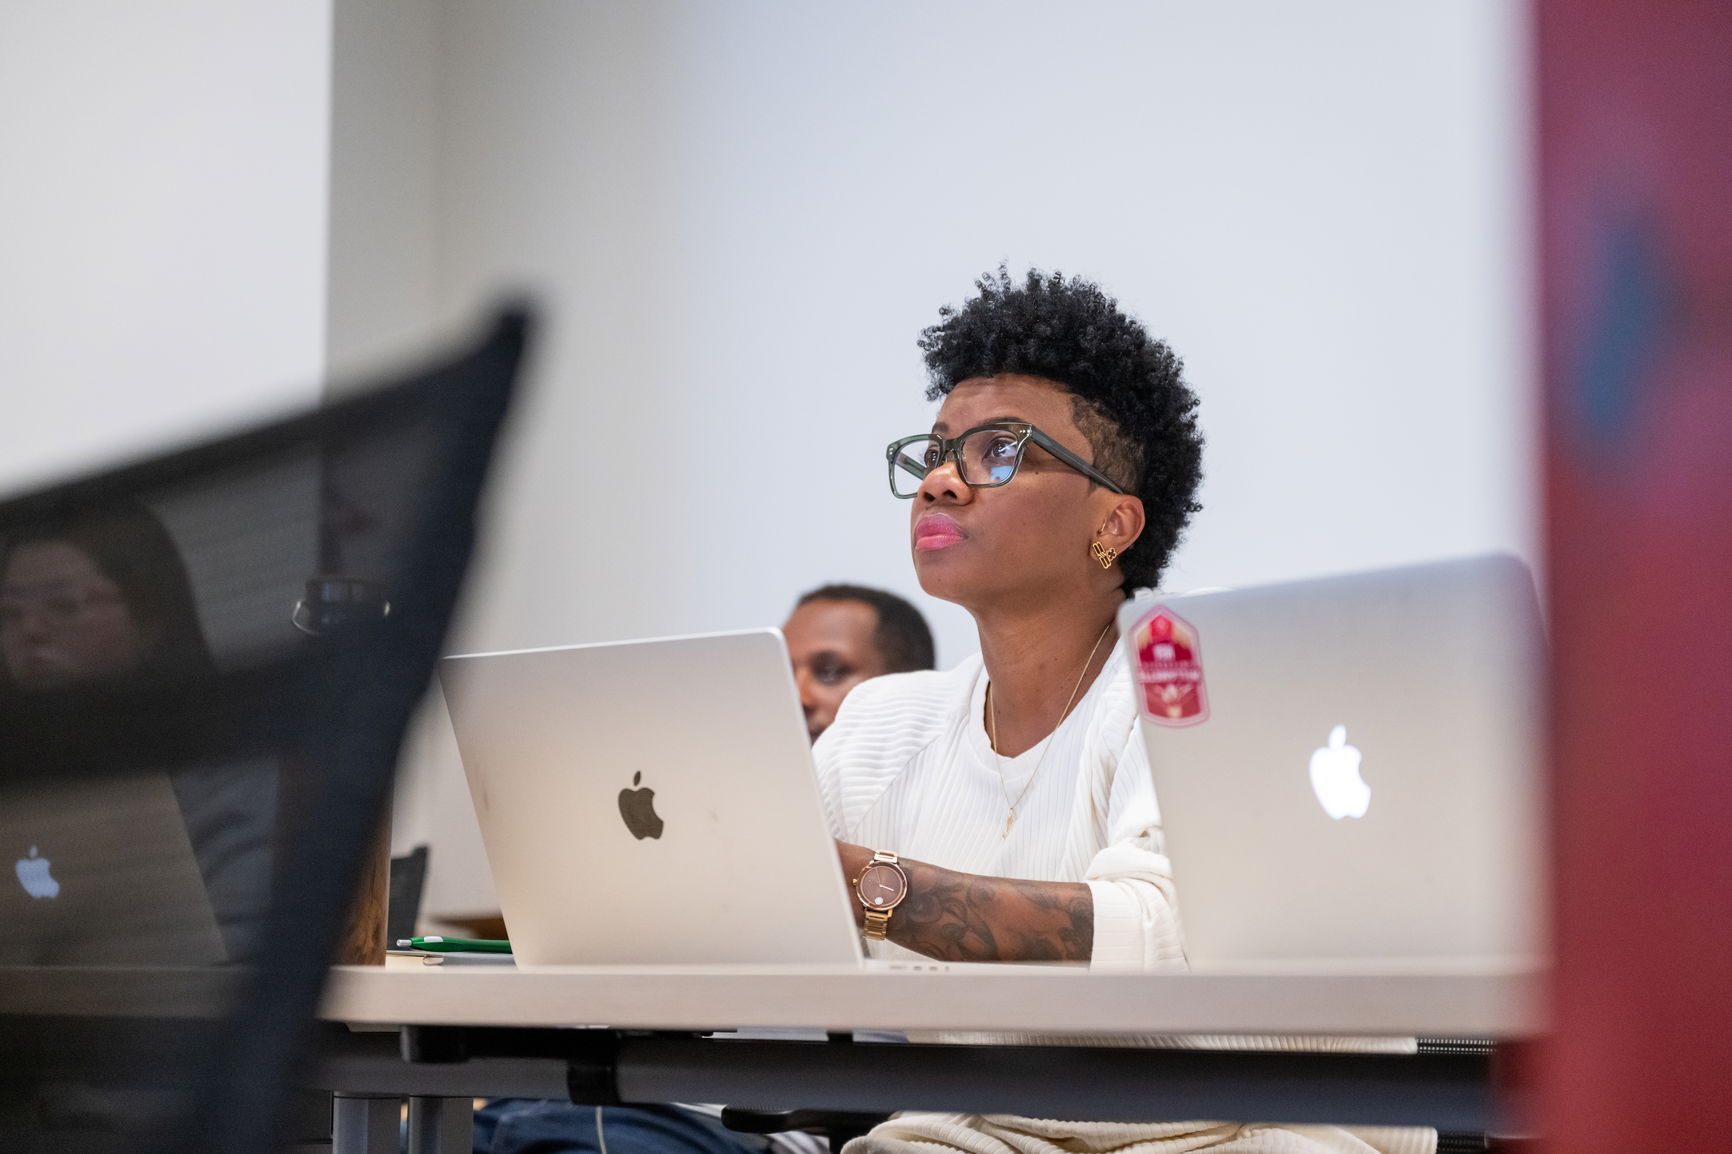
962, 917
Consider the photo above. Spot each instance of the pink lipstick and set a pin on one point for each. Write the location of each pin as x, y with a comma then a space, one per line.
936, 531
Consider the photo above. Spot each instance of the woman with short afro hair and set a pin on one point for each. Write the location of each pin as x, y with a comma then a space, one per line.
1003, 810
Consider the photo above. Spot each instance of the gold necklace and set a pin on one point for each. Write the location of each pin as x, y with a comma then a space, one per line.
992, 732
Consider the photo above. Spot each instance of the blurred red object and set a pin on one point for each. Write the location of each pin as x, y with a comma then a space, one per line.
1635, 219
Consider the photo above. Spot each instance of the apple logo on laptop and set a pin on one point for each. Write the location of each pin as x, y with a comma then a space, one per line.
1335, 777
33, 875
638, 808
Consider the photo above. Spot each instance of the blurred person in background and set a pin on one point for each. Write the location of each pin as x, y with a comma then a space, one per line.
96, 598
840, 635
104, 596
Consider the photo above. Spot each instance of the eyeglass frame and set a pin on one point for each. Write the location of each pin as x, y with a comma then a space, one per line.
950, 448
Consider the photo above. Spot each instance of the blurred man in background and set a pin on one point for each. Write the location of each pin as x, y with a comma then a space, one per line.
839, 635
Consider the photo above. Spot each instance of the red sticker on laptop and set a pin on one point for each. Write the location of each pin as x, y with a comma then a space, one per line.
1169, 669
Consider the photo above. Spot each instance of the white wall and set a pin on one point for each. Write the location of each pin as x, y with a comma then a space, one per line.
383, 244
162, 222
738, 217
384, 248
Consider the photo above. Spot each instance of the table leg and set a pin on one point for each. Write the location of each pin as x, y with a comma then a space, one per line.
441, 1125
366, 1125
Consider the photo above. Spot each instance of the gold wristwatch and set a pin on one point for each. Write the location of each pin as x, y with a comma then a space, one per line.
880, 886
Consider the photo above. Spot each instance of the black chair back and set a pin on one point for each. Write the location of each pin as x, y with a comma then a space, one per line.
207, 663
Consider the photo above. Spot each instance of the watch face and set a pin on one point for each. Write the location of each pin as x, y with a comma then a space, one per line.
882, 886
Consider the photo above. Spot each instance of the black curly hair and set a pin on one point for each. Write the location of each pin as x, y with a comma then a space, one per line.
1128, 394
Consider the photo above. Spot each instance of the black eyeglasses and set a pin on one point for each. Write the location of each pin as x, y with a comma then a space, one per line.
986, 456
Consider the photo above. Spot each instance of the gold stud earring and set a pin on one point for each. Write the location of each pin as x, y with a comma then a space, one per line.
1103, 554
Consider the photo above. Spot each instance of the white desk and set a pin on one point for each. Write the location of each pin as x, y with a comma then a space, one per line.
1505, 1006
634, 1035
481, 1029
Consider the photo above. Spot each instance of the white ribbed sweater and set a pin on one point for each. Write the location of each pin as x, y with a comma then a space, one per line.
907, 767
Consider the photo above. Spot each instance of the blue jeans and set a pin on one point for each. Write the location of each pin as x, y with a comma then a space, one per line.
527, 1126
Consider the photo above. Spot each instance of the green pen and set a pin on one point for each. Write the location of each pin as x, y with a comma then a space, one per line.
451, 945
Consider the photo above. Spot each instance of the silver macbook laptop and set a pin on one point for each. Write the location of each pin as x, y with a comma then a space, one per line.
103, 873
1347, 768
651, 802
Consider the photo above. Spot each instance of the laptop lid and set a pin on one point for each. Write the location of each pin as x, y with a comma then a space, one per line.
1347, 767
651, 802
105, 875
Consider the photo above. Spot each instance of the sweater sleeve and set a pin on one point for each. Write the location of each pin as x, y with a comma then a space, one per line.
1136, 917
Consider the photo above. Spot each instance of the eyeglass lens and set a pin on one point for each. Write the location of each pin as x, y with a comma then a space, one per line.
985, 457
